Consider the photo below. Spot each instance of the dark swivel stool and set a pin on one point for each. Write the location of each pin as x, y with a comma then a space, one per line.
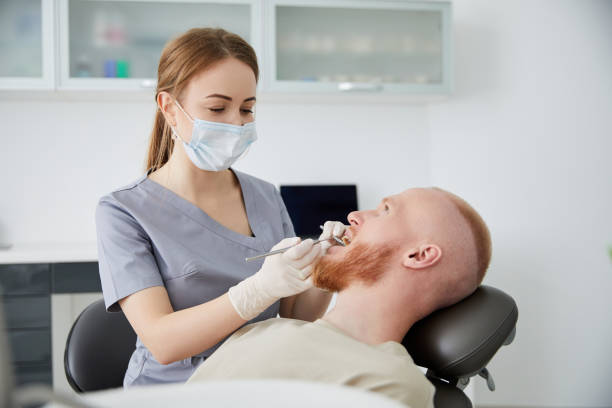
98, 349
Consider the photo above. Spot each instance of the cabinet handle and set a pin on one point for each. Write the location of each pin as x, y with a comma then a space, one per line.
148, 83
353, 86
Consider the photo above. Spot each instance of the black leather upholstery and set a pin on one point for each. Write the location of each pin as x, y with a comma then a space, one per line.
459, 340
98, 349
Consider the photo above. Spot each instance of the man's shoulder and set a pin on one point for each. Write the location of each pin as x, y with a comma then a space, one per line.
270, 325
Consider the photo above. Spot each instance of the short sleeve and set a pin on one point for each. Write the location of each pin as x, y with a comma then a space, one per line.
288, 230
125, 257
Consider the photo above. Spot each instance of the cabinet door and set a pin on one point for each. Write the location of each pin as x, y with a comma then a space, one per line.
335, 46
26, 44
117, 44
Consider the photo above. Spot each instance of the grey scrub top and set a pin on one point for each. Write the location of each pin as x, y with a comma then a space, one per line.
149, 236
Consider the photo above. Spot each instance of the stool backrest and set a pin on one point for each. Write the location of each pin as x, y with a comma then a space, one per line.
98, 349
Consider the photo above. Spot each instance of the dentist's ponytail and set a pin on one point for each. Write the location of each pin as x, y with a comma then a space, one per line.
183, 58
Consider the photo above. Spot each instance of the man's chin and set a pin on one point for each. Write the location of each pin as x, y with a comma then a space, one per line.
355, 262
335, 249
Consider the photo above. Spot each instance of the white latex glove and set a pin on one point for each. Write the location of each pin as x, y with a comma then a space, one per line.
331, 229
281, 275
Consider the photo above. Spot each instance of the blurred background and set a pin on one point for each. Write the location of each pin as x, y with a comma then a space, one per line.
505, 103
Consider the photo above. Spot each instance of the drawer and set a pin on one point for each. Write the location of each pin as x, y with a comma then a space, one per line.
33, 374
25, 279
76, 277
30, 346
27, 312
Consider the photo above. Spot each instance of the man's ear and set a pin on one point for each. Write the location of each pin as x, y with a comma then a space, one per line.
422, 257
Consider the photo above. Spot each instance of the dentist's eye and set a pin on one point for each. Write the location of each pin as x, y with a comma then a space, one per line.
216, 109
247, 111
387, 207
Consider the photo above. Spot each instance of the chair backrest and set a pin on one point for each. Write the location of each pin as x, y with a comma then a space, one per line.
458, 341
98, 349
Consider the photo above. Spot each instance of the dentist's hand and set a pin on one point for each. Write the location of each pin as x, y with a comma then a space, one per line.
331, 229
281, 275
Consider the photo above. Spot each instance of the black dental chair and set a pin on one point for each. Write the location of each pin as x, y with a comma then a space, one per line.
457, 342
454, 344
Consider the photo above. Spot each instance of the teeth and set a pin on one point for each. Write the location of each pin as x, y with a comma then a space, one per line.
346, 240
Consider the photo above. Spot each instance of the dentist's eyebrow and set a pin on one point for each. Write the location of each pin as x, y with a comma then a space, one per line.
252, 98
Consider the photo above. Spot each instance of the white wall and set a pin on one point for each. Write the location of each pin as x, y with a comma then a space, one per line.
527, 138
59, 157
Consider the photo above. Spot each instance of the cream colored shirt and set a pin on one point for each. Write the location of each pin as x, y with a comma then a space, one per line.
294, 349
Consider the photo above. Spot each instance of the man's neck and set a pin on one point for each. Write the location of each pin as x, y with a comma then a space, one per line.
360, 313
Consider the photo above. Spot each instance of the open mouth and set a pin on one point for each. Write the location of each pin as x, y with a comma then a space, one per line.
347, 237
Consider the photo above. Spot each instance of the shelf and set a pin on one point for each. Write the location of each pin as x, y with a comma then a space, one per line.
49, 253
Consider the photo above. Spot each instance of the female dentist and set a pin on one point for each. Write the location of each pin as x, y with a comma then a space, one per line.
172, 244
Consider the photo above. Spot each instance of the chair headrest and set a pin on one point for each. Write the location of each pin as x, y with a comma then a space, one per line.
461, 339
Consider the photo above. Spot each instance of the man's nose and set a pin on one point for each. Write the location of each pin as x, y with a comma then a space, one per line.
355, 218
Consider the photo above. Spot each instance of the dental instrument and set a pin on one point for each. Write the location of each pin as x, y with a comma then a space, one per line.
338, 240
279, 251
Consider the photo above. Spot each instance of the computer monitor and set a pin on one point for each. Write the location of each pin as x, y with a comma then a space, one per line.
311, 205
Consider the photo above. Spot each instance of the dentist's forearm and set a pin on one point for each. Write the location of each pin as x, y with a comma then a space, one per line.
171, 336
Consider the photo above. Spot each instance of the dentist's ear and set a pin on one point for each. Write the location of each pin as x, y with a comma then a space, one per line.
422, 257
165, 103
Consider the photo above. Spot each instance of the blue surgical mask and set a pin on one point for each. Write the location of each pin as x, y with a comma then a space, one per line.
215, 146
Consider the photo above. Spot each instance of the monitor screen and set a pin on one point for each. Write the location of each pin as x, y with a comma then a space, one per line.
311, 206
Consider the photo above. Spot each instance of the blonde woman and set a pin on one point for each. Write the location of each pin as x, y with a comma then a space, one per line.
172, 244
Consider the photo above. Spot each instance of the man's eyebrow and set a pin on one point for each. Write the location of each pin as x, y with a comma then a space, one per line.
229, 98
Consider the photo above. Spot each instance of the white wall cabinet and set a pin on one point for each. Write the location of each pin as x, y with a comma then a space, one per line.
304, 47
117, 44
331, 46
27, 44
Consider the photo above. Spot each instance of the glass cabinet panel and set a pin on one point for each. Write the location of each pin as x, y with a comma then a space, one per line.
124, 39
370, 47
21, 38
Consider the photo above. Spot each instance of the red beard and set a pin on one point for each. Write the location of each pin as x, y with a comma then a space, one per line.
360, 262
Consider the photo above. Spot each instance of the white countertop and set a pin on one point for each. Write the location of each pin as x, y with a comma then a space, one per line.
49, 253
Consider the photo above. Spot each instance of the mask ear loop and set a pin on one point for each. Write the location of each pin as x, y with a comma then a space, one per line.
183, 110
